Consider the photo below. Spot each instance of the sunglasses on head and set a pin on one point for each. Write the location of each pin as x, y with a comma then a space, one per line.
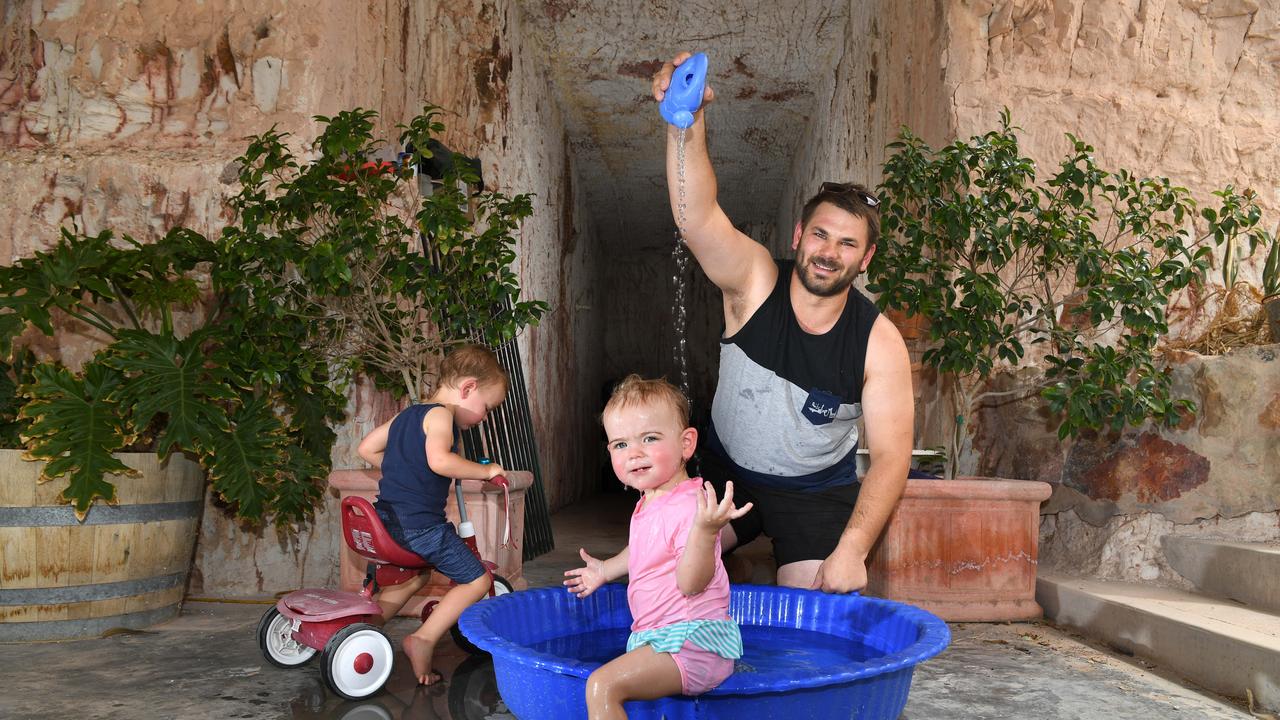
849, 189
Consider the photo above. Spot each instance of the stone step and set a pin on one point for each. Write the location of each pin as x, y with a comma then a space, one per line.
1248, 572
1217, 644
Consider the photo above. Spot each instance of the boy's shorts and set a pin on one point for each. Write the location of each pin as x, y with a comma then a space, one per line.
701, 670
440, 546
802, 525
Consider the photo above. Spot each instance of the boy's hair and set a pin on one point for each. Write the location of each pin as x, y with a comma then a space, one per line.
472, 360
635, 390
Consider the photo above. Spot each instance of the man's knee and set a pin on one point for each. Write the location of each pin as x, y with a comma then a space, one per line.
728, 538
800, 574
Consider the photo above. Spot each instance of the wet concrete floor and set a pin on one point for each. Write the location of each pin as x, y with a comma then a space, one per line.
206, 665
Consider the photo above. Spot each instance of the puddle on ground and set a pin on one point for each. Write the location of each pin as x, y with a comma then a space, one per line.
469, 692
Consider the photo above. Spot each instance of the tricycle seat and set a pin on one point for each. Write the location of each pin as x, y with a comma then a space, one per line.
364, 533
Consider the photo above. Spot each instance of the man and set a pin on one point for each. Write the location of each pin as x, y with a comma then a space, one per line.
804, 357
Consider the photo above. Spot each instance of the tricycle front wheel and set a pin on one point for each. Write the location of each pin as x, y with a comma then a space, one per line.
357, 661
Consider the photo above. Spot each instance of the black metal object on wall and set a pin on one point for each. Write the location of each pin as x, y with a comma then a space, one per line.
508, 436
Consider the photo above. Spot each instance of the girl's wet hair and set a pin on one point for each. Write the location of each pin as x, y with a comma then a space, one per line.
635, 390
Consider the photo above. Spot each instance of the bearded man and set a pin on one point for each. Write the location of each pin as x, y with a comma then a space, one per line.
805, 360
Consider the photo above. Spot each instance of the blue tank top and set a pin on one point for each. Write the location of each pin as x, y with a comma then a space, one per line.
410, 494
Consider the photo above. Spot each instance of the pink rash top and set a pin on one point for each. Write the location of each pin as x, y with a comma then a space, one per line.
659, 531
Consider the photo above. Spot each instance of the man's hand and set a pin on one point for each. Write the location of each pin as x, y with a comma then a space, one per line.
662, 79
843, 571
495, 470
712, 515
584, 580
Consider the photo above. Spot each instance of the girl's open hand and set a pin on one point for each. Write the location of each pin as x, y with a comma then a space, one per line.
584, 580
712, 514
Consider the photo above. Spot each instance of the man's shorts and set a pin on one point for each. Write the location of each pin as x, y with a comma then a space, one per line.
438, 545
802, 525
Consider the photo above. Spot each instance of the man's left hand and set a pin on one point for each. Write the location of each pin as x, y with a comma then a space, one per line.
841, 572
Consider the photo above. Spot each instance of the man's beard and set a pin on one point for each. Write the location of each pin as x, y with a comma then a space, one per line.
834, 285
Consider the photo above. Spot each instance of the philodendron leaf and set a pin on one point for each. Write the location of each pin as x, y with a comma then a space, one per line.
61, 277
302, 487
76, 424
170, 376
245, 462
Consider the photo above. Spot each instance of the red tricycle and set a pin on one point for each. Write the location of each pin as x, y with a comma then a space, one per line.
357, 655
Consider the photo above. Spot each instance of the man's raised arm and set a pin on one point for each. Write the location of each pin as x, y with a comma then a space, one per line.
731, 260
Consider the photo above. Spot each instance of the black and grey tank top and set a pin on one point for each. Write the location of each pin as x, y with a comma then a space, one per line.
788, 403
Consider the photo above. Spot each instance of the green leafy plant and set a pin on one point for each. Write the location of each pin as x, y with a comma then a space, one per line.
1077, 269
13, 374
396, 275
237, 351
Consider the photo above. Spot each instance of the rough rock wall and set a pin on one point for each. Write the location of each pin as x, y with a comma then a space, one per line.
888, 74
1188, 90
125, 116
1213, 475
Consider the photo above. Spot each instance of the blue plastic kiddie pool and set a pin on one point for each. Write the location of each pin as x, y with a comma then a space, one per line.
808, 654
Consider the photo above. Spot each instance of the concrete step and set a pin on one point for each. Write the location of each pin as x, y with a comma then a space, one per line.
1248, 572
1217, 644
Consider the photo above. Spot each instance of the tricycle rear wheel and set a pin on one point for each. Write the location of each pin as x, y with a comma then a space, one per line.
275, 638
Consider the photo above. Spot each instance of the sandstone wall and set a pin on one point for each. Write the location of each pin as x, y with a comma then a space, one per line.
125, 116
1189, 89
889, 73
1186, 89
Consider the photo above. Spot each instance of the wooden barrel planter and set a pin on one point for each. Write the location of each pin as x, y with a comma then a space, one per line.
125, 566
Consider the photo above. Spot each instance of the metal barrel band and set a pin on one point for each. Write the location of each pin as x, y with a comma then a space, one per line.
90, 591
58, 515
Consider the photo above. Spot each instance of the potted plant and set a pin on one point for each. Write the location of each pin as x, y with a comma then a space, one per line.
168, 374
1249, 313
221, 358
1072, 273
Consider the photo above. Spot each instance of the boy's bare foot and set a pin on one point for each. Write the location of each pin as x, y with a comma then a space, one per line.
420, 652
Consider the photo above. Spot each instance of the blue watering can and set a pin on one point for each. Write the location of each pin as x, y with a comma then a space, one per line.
684, 96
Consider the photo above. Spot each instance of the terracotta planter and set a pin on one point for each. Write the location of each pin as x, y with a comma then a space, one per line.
124, 566
912, 327
964, 549
484, 510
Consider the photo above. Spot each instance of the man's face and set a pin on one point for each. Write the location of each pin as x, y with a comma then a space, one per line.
831, 250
